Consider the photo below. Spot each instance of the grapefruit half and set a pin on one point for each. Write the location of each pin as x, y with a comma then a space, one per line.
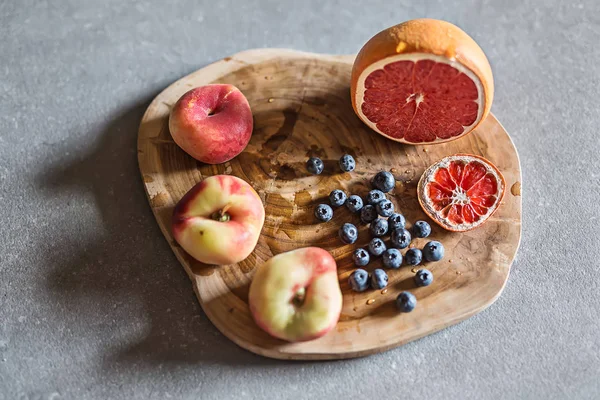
461, 192
424, 81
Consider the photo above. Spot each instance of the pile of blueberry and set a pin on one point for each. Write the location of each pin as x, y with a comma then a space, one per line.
377, 211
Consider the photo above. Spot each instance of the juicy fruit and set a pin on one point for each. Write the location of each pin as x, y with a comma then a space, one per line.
360, 257
384, 181
423, 277
354, 203
396, 222
461, 192
219, 220
337, 198
422, 81
413, 256
379, 279
347, 163
406, 302
368, 214
315, 165
359, 280
348, 233
375, 196
401, 238
212, 123
296, 296
392, 258
323, 212
421, 229
385, 208
433, 251
376, 247
378, 227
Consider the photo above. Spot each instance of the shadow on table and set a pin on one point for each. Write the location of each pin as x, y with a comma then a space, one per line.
106, 271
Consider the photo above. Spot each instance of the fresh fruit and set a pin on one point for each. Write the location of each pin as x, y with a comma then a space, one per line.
348, 233
323, 212
461, 192
379, 279
401, 238
359, 280
212, 123
433, 251
315, 165
368, 214
376, 247
296, 296
413, 256
219, 220
360, 257
385, 208
375, 196
421, 229
347, 163
337, 198
392, 258
406, 302
422, 81
384, 181
378, 227
396, 222
424, 277
354, 203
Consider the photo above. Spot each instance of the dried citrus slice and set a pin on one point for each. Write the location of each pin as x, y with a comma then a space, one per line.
423, 81
461, 192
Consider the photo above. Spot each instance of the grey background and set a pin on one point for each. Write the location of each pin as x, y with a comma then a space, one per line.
94, 305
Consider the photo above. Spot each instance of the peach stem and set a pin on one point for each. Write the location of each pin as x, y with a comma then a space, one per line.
222, 215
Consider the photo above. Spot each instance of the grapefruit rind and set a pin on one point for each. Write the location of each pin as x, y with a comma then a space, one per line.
414, 57
428, 177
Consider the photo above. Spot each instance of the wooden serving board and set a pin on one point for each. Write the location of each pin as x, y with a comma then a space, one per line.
301, 106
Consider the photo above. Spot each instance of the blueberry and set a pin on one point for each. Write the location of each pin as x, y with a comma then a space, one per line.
348, 233
323, 212
314, 165
433, 251
401, 238
375, 196
337, 198
413, 257
385, 208
354, 203
379, 227
392, 258
424, 277
347, 163
396, 222
384, 181
376, 247
361, 257
379, 279
406, 302
368, 214
421, 229
359, 280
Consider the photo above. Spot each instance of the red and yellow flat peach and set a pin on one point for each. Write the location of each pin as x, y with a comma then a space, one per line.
212, 123
219, 220
296, 296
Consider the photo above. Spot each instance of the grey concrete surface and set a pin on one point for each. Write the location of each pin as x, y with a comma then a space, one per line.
93, 304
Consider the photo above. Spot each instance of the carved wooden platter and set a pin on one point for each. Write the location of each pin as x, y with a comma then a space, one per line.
301, 107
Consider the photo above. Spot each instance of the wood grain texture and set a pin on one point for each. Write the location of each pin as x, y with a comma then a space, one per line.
301, 107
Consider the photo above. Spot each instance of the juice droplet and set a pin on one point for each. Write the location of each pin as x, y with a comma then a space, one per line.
384, 291
515, 189
414, 270
425, 150
458, 273
370, 301
393, 170
400, 47
271, 100
450, 261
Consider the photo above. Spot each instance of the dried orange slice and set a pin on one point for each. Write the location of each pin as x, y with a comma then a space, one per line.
461, 192
424, 81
